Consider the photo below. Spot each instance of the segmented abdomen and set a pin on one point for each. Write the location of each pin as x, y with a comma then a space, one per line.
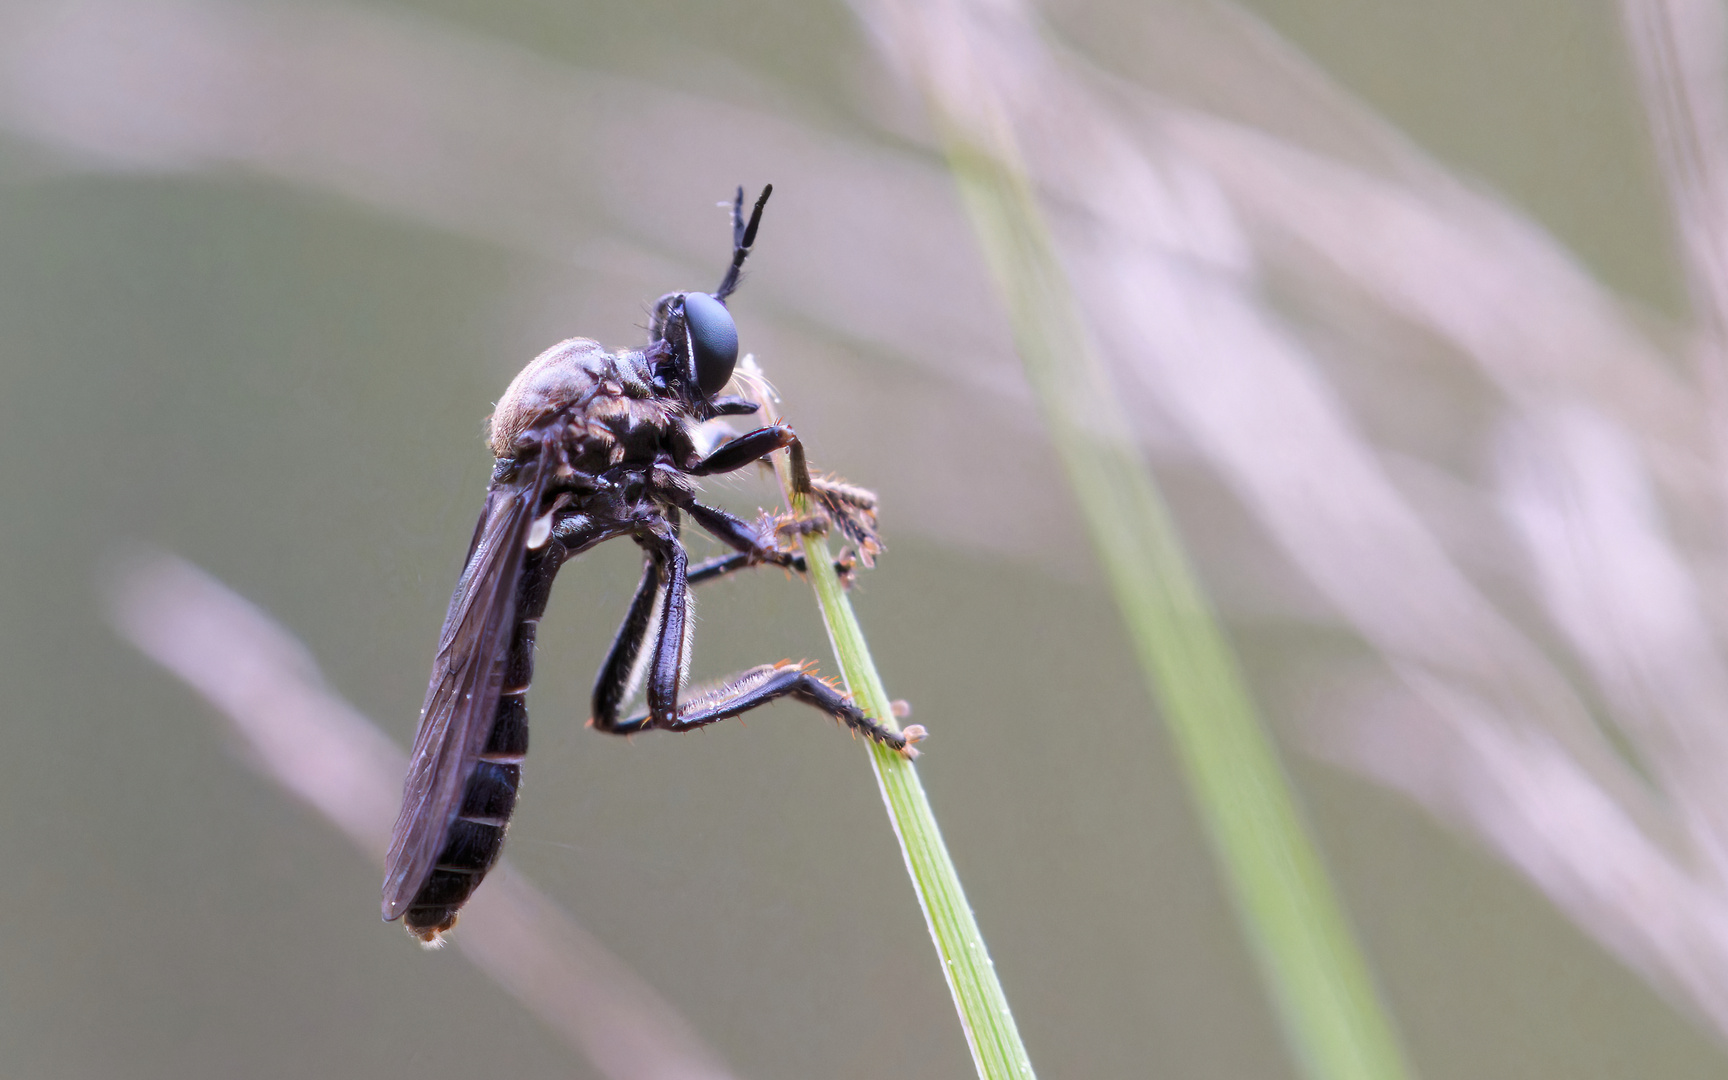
474, 835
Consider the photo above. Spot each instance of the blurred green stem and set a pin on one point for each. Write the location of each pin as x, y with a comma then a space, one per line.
1307, 956
989, 1025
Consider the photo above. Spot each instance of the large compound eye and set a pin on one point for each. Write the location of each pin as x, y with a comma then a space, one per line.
713, 340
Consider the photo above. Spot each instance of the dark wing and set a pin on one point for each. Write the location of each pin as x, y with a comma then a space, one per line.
467, 679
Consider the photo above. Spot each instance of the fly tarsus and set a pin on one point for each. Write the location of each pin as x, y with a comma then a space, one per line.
835, 506
852, 510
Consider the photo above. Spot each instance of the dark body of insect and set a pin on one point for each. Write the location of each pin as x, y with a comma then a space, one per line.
590, 446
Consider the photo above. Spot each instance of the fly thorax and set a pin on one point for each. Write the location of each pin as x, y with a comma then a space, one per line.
560, 378
635, 374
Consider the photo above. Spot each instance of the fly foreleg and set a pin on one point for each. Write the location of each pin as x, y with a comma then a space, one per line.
734, 454
750, 545
830, 502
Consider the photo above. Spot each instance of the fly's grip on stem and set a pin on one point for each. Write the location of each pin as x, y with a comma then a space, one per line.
815, 507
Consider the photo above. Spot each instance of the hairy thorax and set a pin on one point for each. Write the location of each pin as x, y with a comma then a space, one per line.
610, 412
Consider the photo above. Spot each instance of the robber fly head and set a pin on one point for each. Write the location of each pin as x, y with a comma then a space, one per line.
699, 338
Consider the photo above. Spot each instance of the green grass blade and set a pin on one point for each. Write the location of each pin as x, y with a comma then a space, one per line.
984, 1015
1307, 956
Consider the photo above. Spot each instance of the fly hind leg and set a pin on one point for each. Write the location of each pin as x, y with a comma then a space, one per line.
769, 682
658, 620
621, 675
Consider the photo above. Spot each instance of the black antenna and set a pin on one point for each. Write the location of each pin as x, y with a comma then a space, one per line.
742, 237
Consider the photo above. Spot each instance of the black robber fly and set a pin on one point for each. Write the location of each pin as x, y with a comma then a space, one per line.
590, 446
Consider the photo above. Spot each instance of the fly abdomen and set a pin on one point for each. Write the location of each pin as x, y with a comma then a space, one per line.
491, 794
474, 837
473, 840
508, 741
477, 833
519, 668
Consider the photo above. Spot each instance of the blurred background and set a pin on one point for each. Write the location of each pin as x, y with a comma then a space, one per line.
1418, 309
